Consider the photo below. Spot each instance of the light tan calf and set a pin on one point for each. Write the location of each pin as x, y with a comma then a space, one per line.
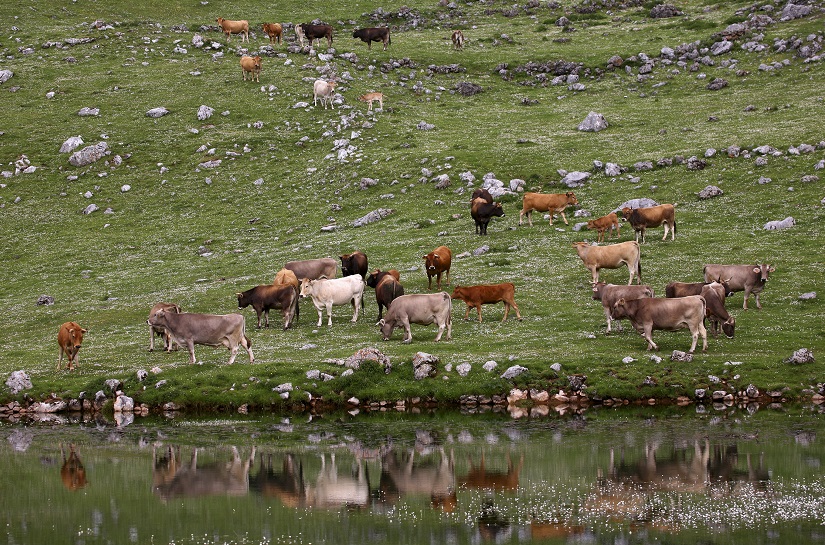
251, 65
372, 97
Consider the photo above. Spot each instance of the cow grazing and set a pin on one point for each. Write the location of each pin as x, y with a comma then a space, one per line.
457, 39
386, 291
274, 31
369, 35
69, 339
611, 256
313, 268
553, 203
189, 329
168, 343
354, 263
747, 278
327, 293
266, 297
605, 223
423, 309
372, 97
482, 212
325, 91
654, 216
488, 294
252, 66
717, 314
665, 314
438, 261
681, 289
313, 32
608, 294
234, 27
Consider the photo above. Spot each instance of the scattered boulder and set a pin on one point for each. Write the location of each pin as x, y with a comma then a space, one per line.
72, 143
575, 179
752, 391
124, 404
368, 354
424, 126
142, 374
157, 112
463, 369
717, 83
678, 355
45, 300
5, 75
613, 170
643, 202
89, 154
803, 355
663, 11
424, 365
577, 382
490, 366
467, 89
513, 372
373, 216
780, 224
18, 381
594, 122
205, 112
795, 11
88, 112
91, 208
694, 163
709, 192
807, 296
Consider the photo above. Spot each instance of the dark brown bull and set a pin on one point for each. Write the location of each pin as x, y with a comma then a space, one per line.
267, 297
377, 275
482, 211
354, 263
386, 291
375, 34
313, 32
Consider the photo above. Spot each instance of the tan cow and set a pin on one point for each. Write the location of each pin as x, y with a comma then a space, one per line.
458, 39
168, 343
69, 339
605, 223
234, 27
274, 31
286, 277
553, 203
611, 256
489, 294
652, 216
436, 262
372, 97
608, 294
665, 314
325, 91
252, 65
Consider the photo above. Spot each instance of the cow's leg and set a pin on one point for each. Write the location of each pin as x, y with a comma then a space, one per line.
449, 326
506, 311
515, 306
478, 309
703, 332
756, 296
609, 318
447, 273
190, 345
666, 229
747, 294
440, 332
407, 332
329, 313
233, 352
467, 314
151, 339
356, 304
648, 335
246, 344
564, 217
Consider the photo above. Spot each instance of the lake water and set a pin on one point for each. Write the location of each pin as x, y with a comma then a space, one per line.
619, 476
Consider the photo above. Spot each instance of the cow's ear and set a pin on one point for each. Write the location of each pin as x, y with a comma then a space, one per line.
239, 295
620, 301
380, 322
771, 269
424, 257
84, 330
757, 270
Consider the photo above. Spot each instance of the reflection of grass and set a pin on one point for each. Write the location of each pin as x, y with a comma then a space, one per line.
106, 270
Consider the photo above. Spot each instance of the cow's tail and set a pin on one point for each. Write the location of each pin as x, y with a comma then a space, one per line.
297, 304
389, 37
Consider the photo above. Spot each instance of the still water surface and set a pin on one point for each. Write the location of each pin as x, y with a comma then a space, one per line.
617, 476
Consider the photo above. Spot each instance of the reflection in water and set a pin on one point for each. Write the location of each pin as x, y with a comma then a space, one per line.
431, 478
72, 472
480, 478
173, 479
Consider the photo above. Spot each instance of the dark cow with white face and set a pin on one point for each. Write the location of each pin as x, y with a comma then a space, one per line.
421, 309
189, 329
667, 315
747, 278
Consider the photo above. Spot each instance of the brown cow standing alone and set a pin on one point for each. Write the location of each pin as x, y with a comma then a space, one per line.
553, 203
652, 216
375, 34
274, 31
69, 339
252, 65
609, 222
438, 261
488, 294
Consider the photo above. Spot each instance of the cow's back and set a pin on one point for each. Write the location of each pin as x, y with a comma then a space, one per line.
205, 328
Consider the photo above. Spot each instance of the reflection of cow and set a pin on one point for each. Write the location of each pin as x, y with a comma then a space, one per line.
427, 478
72, 472
329, 491
177, 480
479, 477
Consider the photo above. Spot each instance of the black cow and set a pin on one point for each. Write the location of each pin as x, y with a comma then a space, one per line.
369, 35
266, 297
313, 32
354, 263
482, 211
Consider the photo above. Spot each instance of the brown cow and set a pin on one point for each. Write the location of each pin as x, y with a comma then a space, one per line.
653, 216
189, 329
553, 203
611, 256
313, 268
608, 294
313, 32
252, 65
387, 290
286, 277
69, 339
714, 294
665, 314
274, 31
354, 263
369, 35
482, 211
266, 297
488, 294
234, 27
168, 343
605, 223
372, 97
457, 39
72, 472
377, 275
438, 261
747, 278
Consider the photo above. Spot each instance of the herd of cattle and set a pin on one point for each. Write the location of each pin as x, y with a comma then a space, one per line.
686, 305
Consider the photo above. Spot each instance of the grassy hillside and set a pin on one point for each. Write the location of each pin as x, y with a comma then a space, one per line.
196, 236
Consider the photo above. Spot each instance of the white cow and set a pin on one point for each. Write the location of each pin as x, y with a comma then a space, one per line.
323, 90
326, 292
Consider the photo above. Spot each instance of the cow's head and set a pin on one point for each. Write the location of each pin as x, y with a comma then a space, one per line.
346, 265
597, 290
431, 259
626, 213
763, 271
76, 335
306, 287
620, 309
220, 20
728, 327
257, 61
725, 285
372, 278
243, 300
386, 328
458, 292
158, 318
498, 211
571, 198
